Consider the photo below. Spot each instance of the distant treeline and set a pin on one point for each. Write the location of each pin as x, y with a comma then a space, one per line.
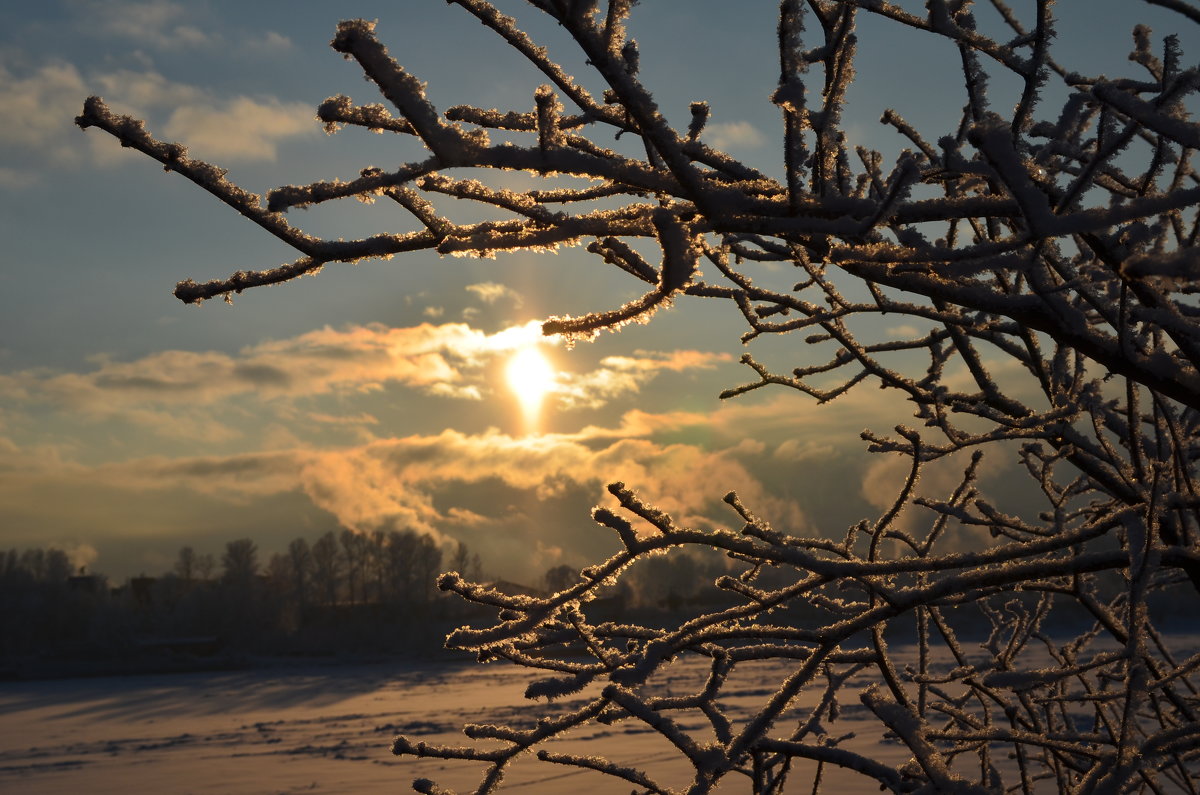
345, 592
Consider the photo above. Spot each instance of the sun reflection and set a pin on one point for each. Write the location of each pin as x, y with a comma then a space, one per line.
531, 378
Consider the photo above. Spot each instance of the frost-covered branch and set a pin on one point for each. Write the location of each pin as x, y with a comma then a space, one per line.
1039, 268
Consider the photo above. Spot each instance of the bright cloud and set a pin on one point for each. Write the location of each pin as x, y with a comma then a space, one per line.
500, 488
221, 397
637, 423
240, 128
503, 494
142, 92
41, 101
800, 450
619, 375
38, 106
393, 481
491, 292
724, 135
352, 359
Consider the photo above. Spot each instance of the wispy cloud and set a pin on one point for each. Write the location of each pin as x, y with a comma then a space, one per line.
240, 129
218, 397
734, 134
504, 494
340, 419
620, 375
272, 41
351, 359
491, 292
495, 486
801, 450
15, 178
636, 423
39, 104
142, 92
395, 480
159, 24
42, 99
231, 129
163, 25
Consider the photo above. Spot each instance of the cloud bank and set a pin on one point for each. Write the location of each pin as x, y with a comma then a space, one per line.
287, 434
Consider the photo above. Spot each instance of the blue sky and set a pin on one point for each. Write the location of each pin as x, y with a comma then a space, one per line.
372, 396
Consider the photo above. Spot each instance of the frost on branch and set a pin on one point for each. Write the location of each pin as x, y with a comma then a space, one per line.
1013, 647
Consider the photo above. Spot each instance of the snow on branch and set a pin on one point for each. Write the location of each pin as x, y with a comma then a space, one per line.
1025, 281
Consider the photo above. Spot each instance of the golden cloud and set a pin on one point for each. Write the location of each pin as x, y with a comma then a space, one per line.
620, 375
352, 359
219, 397
426, 482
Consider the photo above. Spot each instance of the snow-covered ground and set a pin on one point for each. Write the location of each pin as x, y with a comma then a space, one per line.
318, 729
329, 729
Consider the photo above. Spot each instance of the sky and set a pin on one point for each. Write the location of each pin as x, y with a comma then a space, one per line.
374, 396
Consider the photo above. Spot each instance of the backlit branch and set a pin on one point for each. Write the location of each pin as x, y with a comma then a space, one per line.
1025, 281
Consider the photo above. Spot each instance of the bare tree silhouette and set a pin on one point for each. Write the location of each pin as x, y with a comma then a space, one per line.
1053, 245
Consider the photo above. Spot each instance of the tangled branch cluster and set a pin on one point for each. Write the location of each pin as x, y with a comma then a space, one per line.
1055, 247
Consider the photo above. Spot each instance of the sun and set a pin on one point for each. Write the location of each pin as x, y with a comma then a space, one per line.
531, 377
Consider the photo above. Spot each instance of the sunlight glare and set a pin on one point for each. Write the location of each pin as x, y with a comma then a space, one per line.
531, 377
